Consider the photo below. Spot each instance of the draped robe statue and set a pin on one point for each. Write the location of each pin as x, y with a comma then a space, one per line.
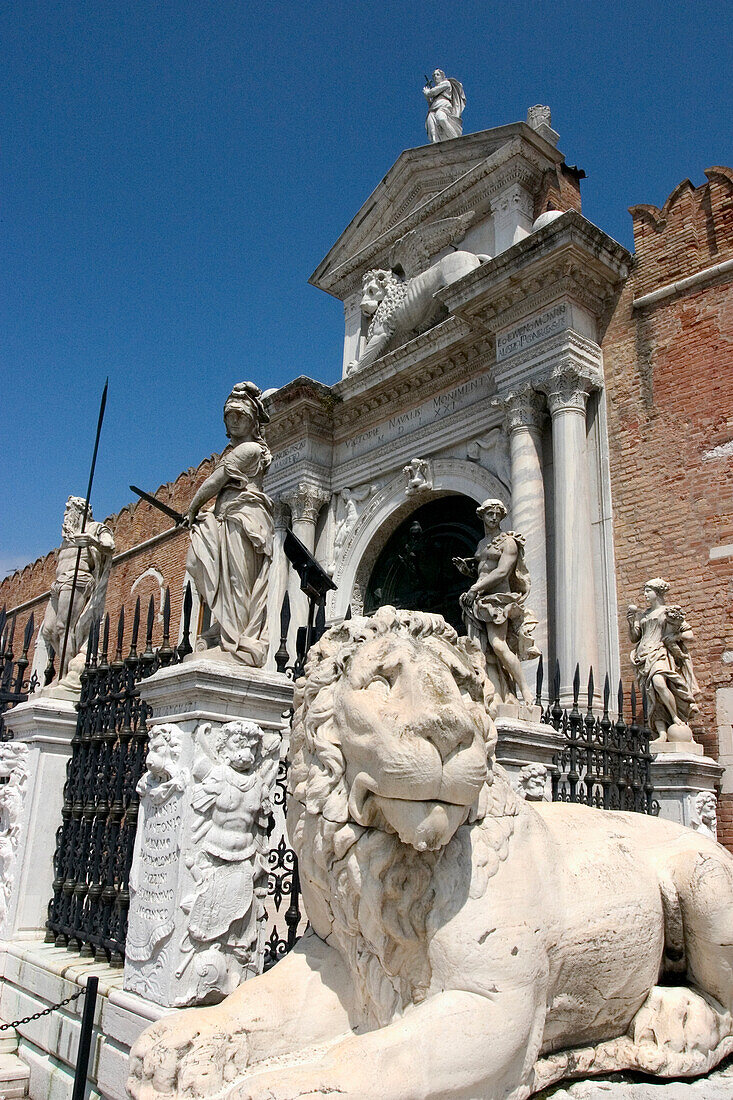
231, 545
446, 102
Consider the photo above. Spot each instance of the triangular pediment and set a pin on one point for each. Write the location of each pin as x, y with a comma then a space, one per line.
423, 184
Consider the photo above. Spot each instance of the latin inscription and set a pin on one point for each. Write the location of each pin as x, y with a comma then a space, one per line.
531, 331
414, 420
155, 889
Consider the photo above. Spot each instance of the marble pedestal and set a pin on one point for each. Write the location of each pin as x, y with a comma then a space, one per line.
678, 779
198, 878
35, 763
521, 742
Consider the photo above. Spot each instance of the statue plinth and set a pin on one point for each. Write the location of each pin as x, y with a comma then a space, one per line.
198, 881
34, 764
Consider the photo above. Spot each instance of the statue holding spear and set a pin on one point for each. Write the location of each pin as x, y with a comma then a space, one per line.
84, 561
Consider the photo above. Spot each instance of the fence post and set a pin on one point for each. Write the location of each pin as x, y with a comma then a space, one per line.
85, 1039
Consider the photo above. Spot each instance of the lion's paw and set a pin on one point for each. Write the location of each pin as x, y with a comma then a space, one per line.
188, 1055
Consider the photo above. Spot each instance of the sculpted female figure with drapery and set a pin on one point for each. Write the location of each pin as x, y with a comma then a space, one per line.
231, 545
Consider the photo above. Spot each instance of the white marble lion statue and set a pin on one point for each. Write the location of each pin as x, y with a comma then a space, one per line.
398, 308
464, 943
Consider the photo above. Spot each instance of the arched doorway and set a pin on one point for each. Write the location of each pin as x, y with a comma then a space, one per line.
414, 570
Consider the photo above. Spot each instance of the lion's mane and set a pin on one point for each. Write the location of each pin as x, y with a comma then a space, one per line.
381, 919
394, 296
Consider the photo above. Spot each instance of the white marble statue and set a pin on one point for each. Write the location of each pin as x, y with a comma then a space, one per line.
663, 664
348, 505
446, 103
464, 942
418, 476
495, 606
398, 308
231, 545
234, 773
82, 606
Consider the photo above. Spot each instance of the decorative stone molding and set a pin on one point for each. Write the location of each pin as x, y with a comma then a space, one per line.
523, 408
281, 514
568, 387
514, 162
419, 476
14, 769
384, 513
516, 198
306, 501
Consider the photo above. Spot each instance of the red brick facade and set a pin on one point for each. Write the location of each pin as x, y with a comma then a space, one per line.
668, 365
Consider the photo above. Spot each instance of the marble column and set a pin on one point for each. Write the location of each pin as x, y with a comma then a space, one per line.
524, 411
305, 502
278, 581
576, 631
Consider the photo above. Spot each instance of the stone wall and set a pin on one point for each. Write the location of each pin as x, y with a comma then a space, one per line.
668, 364
140, 567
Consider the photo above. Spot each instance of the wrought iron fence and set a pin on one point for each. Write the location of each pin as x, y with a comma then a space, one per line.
604, 762
94, 843
15, 684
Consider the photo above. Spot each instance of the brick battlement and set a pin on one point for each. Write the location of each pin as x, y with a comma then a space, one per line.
692, 231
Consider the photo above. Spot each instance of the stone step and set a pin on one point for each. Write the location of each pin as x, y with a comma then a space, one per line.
14, 1076
8, 1041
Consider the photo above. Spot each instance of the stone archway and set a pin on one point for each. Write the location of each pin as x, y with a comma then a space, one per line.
414, 569
384, 513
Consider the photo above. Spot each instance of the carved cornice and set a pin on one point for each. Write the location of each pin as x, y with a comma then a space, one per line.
305, 502
514, 197
570, 256
401, 385
302, 408
567, 387
523, 408
516, 161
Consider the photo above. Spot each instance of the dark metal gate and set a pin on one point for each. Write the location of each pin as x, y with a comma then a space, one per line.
604, 762
15, 685
95, 841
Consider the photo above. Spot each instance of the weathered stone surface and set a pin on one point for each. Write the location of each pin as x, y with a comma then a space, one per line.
457, 930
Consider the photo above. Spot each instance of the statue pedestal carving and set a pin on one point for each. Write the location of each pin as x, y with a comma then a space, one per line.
31, 802
668, 748
523, 743
199, 871
685, 784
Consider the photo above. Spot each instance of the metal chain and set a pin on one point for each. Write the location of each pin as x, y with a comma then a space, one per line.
45, 1012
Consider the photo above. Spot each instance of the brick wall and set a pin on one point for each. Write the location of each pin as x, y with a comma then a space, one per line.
134, 525
668, 370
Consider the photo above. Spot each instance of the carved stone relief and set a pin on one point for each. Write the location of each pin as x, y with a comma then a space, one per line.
199, 874
14, 766
419, 476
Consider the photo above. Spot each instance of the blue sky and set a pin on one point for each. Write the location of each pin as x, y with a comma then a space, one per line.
171, 173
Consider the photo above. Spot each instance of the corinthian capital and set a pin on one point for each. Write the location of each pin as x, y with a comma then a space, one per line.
523, 408
306, 501
568, 386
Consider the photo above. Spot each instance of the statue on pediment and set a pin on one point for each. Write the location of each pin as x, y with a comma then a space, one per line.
446, 102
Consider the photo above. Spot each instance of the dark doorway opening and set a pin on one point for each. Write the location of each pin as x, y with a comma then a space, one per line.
414, 570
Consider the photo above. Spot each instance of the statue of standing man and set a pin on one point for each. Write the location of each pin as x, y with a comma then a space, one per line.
81, 603
446, 103
231, 544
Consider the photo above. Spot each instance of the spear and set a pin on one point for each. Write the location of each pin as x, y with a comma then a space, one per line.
102, 405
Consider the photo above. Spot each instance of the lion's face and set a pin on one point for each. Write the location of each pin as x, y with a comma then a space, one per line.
374, 290
414, 733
